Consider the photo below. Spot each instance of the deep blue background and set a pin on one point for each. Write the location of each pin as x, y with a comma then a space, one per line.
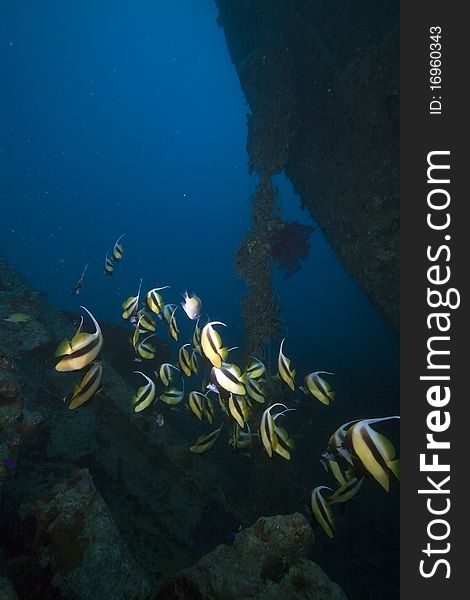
129, 118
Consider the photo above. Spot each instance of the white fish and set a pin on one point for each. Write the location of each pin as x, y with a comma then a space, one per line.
192, 306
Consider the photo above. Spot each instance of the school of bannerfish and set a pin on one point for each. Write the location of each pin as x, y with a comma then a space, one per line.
354, 451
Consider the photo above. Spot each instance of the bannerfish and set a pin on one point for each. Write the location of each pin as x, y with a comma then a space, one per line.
118, 249
284, 443
145, 394
172, 395
167, 372
255, 390
346, 492
322, 511
211, 344
192, 306
168, 310
256, 369
108, 265
269, 435
131, 305
184, 360
197, 336
285, 372
81, 350
238, 408
318, 387
146, 349
229, 377
196, 403
375, 451
154, 300
78, 286
88, 387
173, 326
205, 442
240, 439
146, 322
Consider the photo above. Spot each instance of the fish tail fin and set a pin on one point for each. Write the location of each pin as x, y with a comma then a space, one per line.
395, 468
332, 395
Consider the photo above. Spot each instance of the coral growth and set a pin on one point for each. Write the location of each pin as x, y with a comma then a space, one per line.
252, 263
290, 245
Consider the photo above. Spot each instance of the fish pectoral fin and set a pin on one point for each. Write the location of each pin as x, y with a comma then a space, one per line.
387, 446
63, 348
281, 451
395, 468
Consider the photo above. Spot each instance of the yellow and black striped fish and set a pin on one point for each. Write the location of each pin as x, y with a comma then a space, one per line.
145, 395
118, 249
285, 372
197, 336
238, 408
81, 350
341, 470
205, 442
167, 373
194, 362
108, 265
173, 327
136, 336
240, 439
211, 344
168, 310
256, 369
172, 395
318, 387
284, 444
209, 408
230, 378
184, 360
375, 451
337, 439
146, 323
88, 387
154, 300
269, 435
146, 349
255, 390
196, 403
346, 492
131, 305
322, 511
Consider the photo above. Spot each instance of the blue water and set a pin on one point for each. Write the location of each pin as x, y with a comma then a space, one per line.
122, 117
